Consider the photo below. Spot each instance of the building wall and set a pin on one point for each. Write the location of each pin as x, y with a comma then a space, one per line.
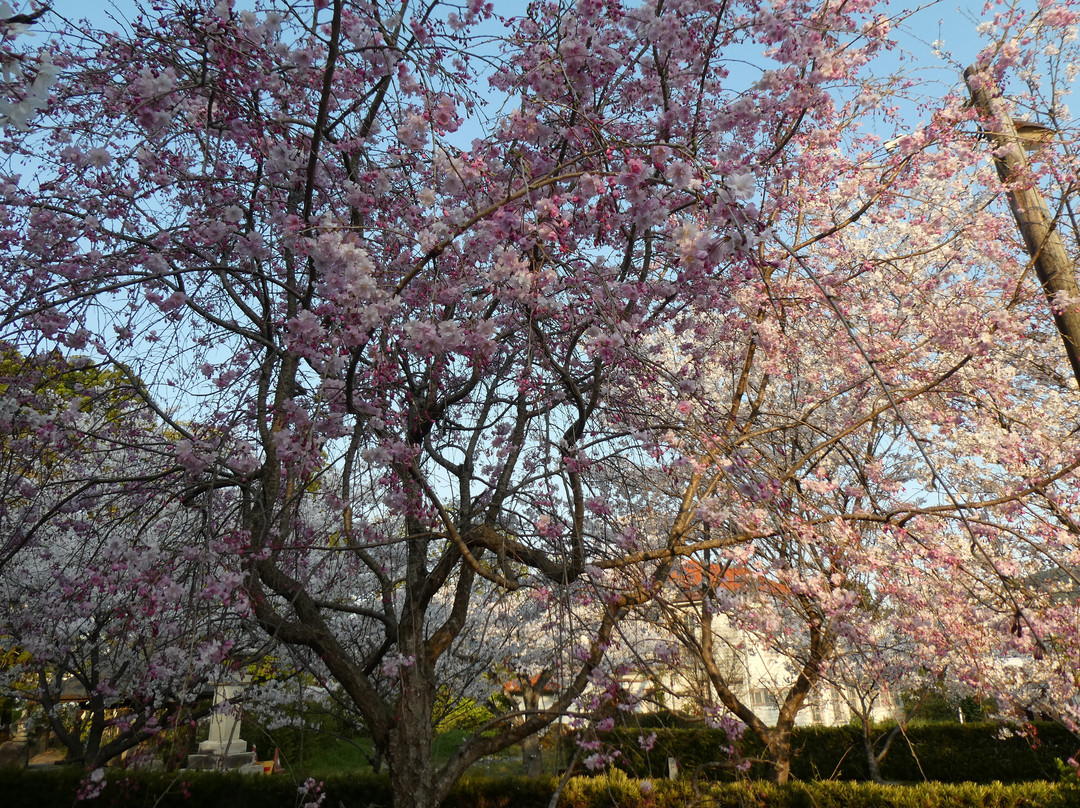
758, 676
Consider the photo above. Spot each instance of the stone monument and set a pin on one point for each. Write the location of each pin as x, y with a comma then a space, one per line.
225, 749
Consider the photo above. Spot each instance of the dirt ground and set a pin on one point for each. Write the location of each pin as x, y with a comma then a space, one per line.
49, 757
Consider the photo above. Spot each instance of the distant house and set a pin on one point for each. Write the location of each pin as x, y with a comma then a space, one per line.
758, 673
535, 692
1062, 584
1042, 682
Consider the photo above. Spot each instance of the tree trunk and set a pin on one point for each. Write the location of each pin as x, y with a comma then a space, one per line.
872, 762
412, 781
532, 760
874, 759
91, 756
1055, 269
409, 752
779, 746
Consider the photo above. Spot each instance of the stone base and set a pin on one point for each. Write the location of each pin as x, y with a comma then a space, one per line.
14, 753
214, 762
236, 747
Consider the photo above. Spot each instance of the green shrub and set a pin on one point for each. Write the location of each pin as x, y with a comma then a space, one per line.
956, 753
612, 789
56, 788
319, 736
501, 792
462, 714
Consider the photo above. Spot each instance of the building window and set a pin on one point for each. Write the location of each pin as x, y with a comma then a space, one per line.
760, 697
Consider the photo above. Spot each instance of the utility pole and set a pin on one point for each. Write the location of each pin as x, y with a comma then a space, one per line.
1055, 271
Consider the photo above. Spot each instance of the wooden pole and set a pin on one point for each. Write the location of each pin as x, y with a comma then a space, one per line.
1055, 271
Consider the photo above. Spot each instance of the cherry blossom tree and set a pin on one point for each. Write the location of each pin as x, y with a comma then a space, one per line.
111, 616
110, 644
871, 366
26, 77
662, 302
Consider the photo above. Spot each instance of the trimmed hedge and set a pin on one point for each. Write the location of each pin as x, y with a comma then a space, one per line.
950, 753
56, 789
25, 788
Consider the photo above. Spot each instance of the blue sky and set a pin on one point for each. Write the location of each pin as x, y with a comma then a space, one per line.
949, 23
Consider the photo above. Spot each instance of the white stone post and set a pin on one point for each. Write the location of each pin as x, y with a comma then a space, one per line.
224, 724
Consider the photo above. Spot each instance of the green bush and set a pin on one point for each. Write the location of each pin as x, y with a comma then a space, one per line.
934, 705
56, 788
501, 792
319, 736
613, 788
953, 753
612, 791
462, 714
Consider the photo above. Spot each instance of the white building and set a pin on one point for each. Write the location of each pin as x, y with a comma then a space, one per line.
754, 669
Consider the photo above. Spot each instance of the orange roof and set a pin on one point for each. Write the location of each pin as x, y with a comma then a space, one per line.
514, 685
690, 575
